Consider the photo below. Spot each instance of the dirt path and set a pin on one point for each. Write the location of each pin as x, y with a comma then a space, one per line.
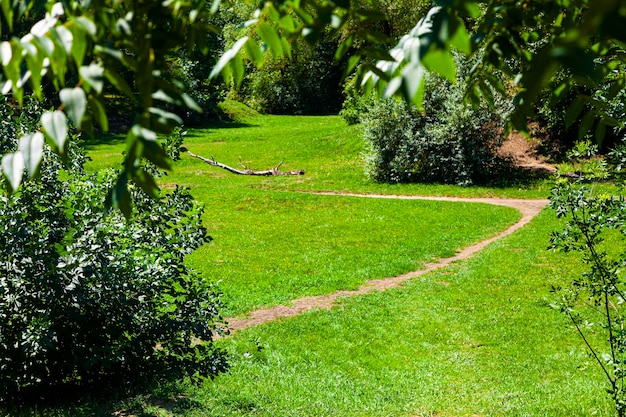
528, 208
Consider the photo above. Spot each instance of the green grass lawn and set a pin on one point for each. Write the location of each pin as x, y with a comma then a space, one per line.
477, 338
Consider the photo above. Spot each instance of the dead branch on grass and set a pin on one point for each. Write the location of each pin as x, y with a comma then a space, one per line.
246, 170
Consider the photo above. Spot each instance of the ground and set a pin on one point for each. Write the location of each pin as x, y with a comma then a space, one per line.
524, 153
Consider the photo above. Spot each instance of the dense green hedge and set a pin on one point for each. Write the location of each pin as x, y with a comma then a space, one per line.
87, 296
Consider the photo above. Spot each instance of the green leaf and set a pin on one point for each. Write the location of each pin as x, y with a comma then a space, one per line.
31, 147
344, 47
600, 132
99, 113
287, 23
7, 11
238, 69
86, 25
13, 169
119, 197
586, 124
573, 111
93, 76
353, 61
412, 83
75, 103
225, 59
55, 127
215, 6
118, 82
286, 47
6, 53
35, 66
461, 39
142, 142
254, 52
11, 59
146, 182
65, 37
164, 119
271, 39
442, 63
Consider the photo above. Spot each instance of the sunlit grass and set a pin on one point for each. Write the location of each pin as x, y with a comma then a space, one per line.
477, 338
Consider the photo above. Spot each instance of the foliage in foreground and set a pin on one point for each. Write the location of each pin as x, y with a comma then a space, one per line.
596, 229
87, 296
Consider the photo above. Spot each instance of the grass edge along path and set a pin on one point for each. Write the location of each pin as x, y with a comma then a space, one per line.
528, 208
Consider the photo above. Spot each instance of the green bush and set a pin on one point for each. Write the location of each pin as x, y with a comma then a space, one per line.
450, 142
310, 83
86, 296
356, 102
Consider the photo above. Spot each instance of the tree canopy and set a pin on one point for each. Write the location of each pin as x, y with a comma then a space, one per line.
86, 50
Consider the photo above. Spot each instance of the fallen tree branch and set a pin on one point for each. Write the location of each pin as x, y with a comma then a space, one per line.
246, 170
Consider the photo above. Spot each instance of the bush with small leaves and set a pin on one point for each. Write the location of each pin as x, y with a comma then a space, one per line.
449, 141
594, 228
87, 296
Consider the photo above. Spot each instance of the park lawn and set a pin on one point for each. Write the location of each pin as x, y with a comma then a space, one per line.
271, 247
476, 338
331, 153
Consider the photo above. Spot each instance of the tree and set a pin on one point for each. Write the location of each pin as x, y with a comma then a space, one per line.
78, 46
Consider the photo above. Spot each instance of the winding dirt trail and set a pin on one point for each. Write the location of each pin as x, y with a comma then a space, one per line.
528, 209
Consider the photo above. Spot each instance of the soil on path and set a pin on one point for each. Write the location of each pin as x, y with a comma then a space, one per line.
528, 209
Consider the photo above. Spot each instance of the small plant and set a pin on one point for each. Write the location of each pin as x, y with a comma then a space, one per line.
595, 228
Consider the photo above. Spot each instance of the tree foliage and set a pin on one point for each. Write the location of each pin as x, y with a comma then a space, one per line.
76, 48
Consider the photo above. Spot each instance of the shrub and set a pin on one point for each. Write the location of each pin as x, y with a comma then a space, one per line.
87, 296
356, 102
307, 84
594, 228
553, 116
449, 142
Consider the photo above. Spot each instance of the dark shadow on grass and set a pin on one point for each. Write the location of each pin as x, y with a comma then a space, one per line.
118, 393
227, 125
505, 174
147, 400
100, 139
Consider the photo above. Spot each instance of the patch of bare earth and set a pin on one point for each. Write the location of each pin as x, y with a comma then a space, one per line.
523, 153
